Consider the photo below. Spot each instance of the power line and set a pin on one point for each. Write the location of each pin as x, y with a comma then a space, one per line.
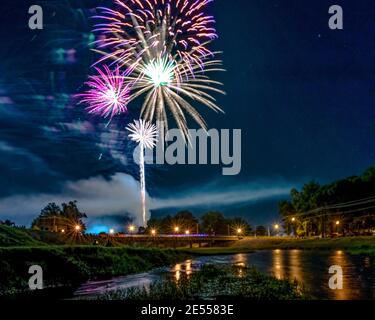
340, 213
342, 205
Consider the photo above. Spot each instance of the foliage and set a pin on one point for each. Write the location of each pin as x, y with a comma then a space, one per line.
8, 223
68, 211
212, 222
307, 206
12, 236
214, 282
261, 231
70, 266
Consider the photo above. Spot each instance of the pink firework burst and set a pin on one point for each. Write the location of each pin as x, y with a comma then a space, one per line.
108, 94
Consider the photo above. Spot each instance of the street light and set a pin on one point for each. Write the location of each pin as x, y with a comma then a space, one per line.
63, 231
293, 219
277, 228
111, 231
176, 229
153, 232
131, 228
77, 227
337, 222
187, 232
239, 230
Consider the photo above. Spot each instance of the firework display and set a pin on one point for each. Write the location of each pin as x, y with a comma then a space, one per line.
162, 46
108, 94
137, 29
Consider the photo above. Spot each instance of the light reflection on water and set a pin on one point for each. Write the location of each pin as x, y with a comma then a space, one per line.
177, 271
308, 268
182, 268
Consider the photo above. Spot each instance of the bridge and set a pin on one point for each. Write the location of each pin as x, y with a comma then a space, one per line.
174, 241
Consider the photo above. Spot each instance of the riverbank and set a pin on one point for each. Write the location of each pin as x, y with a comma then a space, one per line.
69, 266
213, 282
354, 245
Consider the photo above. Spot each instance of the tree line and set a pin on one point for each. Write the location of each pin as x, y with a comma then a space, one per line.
212, 222
343, 207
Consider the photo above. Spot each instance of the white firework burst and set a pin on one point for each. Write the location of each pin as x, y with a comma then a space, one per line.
144, 133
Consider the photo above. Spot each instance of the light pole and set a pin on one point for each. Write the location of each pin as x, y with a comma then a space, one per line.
277, 228
294, 226
239, 232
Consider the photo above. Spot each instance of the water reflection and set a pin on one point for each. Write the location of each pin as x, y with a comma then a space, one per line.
308, 268
188, 267
185, 268
338, 258
294, 260
277, 263
240, 260
177, 271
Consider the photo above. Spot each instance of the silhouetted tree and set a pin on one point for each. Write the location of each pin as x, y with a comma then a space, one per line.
214, 222
185, 220
69, 212
51, 209
260, 231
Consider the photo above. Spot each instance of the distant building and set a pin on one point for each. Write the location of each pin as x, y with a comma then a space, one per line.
54, 224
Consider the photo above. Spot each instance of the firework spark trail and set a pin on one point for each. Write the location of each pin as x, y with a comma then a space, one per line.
145, 134
138, 29
108, 94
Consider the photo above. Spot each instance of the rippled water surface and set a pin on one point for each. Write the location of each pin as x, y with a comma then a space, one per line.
309, 268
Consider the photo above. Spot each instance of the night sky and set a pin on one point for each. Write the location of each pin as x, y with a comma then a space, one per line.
303, 95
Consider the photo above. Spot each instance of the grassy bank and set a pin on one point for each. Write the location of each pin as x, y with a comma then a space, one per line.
67, 266
214, 282
11, 236
352, 244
